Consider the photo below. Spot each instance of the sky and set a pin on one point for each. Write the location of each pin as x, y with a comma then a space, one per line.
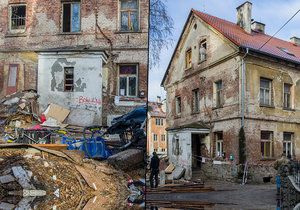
273, 13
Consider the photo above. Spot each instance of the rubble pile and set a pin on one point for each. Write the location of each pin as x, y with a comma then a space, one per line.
42, 178
19, 110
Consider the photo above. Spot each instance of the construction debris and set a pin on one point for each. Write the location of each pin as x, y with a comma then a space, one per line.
128, 159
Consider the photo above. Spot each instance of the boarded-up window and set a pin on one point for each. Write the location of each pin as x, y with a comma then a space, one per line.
128, 80
69, 79
71, 17
17, 17
129, 15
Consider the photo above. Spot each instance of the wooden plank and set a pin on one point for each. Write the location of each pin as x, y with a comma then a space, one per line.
57, 147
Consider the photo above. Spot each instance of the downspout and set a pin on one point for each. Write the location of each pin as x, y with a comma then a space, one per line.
243, 88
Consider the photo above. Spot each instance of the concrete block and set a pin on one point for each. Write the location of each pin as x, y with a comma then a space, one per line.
7, 179
6, 206
22, 177
178, 172
34, 193
126, 159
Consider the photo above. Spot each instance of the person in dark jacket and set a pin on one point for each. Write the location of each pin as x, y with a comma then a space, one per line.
154, 167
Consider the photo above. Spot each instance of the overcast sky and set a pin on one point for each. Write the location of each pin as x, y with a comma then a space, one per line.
273, 13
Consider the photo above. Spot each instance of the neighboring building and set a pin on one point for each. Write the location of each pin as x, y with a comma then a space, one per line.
156, 125
224, 76
82, 55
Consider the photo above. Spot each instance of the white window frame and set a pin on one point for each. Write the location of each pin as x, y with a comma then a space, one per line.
264, 92
127, 76
155, 137
202, 56
119, 18
271, 143
62, 16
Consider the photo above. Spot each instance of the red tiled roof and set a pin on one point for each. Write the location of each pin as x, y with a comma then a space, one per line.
155, 110
253, 41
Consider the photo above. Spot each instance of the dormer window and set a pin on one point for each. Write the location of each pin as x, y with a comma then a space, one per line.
202, 51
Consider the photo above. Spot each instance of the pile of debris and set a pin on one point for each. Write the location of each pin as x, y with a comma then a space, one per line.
36, 178
19, 110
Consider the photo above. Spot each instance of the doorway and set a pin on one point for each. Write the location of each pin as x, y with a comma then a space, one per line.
196, 151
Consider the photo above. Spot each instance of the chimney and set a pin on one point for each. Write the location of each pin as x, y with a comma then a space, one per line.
258, 27
244, 16
295, 40
158, 100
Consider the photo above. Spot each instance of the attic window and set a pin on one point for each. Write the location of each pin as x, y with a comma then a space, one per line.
286, 51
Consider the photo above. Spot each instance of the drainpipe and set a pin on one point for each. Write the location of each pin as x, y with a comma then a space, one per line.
243, 87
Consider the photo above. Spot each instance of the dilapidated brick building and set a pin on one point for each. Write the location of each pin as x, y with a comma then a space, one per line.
224, 76
79, 54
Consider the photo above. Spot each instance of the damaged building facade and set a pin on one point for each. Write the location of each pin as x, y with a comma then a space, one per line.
224, 76
88, 56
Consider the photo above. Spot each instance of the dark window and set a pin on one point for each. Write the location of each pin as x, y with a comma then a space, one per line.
154, 137
219, 93
202, 51
163, 137
69, 79
71, 17
129, 15
287, 144
159, 121
188, 59
178, 105
176, 152
266, 144
128, 80
196, 100
287, 96
18, 17
265, 92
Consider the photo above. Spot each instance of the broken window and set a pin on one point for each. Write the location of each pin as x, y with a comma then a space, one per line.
129, 15
287, 96
69, 79
128, 80
178, 105
287, 144
71, 17
265, 92
17, 17
163, 137
219, 93
202, 51
267, 144
154, 137
188, 59
219, 144
196, 100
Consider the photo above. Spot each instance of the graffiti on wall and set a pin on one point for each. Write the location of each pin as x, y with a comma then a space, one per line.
85, 100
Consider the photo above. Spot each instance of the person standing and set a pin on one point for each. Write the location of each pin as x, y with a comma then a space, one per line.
154, 167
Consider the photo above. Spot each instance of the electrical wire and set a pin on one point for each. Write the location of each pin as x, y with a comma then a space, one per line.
279, 29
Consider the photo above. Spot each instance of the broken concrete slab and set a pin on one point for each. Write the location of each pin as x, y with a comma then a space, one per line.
22, 177
6, 179
81, 117
25, 203
127, 159
6, 206
34, 193
169, 169
56, 112
178, 172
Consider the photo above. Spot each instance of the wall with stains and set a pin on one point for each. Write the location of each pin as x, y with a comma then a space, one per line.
100, 29
87, 94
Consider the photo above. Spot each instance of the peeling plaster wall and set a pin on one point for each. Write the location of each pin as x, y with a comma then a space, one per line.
43, 31
87, 94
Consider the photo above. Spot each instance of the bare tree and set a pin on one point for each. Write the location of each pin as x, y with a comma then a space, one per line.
161, 30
